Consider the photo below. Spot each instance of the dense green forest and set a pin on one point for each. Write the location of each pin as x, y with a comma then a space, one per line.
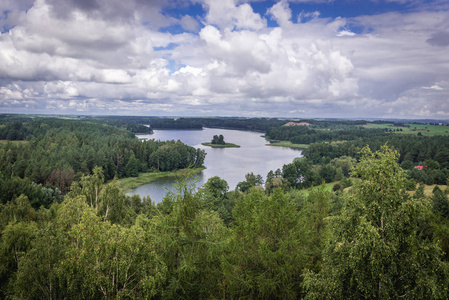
430, 152
65, 233
374, 241
306, 135
58, 152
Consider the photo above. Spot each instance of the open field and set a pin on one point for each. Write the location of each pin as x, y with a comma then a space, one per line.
130, 183
426, 130
428, 189
327, 187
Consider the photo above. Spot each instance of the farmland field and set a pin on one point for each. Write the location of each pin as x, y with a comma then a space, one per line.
426, 130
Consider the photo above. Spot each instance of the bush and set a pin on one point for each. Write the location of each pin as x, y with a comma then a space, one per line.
336, 187
345, 183
410, 184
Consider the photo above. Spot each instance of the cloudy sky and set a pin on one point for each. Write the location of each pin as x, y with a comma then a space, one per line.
298, 58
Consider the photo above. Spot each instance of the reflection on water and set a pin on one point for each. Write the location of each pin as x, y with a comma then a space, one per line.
231, 164
158, 189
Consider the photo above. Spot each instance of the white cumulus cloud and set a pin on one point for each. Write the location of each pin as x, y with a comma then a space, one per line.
118, 57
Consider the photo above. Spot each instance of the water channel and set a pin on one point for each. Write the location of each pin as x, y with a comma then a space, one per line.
230, 164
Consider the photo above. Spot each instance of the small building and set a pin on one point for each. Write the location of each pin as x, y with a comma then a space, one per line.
419, 167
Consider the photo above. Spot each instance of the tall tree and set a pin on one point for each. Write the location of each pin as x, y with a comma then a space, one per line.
377, 249
190, 242
216, 198
132, 167
251, 180
264, 258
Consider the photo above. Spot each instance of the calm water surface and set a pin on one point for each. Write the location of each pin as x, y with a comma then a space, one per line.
230, 164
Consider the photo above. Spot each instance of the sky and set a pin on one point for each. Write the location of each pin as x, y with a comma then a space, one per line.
295, 59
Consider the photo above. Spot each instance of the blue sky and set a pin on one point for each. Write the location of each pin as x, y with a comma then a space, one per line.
302, 58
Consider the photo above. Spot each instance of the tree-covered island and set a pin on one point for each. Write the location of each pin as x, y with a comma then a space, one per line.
218, 142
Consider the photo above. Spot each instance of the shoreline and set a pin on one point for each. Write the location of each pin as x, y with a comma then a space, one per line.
131, 183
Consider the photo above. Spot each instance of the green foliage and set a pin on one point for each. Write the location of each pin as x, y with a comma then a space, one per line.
440, 203
109, 202
377, 248
13, 187
307, 135
252, 124
300, 174
218, 140
175, 155
338, 174
373, 241
314, 224
16, 240
13, 131
60, 151
345, 163
132, 167
251, 180
18, 210
190, 243
264, 258
114, 206
275, 181
38, 275
106, 261
336, 187
80, 256
216, 198
413, 151
327, 172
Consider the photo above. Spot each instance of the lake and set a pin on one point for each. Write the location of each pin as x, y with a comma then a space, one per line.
230, 164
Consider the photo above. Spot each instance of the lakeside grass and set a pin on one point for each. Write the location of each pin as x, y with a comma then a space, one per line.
288, 145
226, 145
130, 183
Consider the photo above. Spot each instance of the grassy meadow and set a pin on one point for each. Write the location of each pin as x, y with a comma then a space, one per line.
426, 130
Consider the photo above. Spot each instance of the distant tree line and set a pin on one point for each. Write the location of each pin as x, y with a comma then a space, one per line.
251, 124
28, 129
308, 135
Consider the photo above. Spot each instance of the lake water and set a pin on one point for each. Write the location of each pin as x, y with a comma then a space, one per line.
230, 164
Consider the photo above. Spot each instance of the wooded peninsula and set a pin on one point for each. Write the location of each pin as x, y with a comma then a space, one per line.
363, 214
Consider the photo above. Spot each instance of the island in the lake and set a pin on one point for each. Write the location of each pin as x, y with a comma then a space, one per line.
218, 142
225, 145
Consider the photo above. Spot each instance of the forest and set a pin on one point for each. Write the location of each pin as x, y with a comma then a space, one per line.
55, 153
68, 231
